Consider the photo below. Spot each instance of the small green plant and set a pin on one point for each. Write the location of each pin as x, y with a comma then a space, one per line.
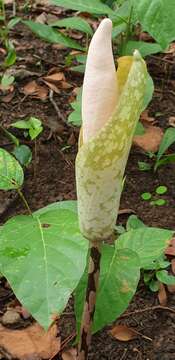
5, 27
160, 190
6, 81
161, 158
155, 273
167, 140
34, 127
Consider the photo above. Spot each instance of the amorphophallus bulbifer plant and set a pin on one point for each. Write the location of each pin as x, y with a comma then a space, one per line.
111, 106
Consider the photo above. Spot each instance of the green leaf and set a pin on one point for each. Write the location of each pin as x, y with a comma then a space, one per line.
6, 81
76, 23
44, 261
157, 17
161, 190
11, 172
33, 124
148, 92
149, 243
79, 69
11, 55
165, 278
118, 29
90, 6
143, 47
9, 135
154, 285
160, 202
60, 205
140, 130
122, 14
47, 33
167, 141
13, 22
144, 166
119, 276
167, 159
75, 117
23, 154
146, 196
134, 223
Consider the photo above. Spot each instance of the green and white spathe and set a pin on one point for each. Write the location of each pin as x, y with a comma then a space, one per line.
111, 107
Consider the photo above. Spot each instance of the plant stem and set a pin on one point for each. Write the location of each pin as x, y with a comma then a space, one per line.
90, 300
24, 201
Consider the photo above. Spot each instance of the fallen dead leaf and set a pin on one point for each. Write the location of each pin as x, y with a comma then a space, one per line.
42, 18
52, 87
170, 250
32, 342
123, 333
35, 90
145, 118
70, 354
55, 77
162, 295
151, 140
171, 121
173, 266
7, 98
171, 288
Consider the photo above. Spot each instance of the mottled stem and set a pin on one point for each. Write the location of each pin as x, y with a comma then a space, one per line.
90, 300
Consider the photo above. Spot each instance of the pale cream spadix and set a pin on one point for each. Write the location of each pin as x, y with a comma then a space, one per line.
100, 86
102, 157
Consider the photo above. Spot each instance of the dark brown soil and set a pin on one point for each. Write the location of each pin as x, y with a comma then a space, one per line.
55, 180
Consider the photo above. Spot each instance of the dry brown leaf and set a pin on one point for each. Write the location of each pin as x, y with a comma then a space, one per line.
123, 333
151, 140
171, 121
52, 87
70, 354
171, 288
35, 90
162, 295
173, 266
145, 118
170, 250
42, 18
55, 77
7, 98
65, 85
171, 49
31, 342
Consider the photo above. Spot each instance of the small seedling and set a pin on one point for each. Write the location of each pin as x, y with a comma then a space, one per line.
160, 190
156, 273
34, 128
146, 196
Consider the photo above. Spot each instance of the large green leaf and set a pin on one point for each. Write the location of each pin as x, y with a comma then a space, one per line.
47, 33
149, 243
11, 172
143, 47
74, 22
90, 6
43, 258
120, 272
63, 205
158, 18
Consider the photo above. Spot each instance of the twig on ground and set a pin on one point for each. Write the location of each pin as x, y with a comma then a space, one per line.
59, 114
139, 311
